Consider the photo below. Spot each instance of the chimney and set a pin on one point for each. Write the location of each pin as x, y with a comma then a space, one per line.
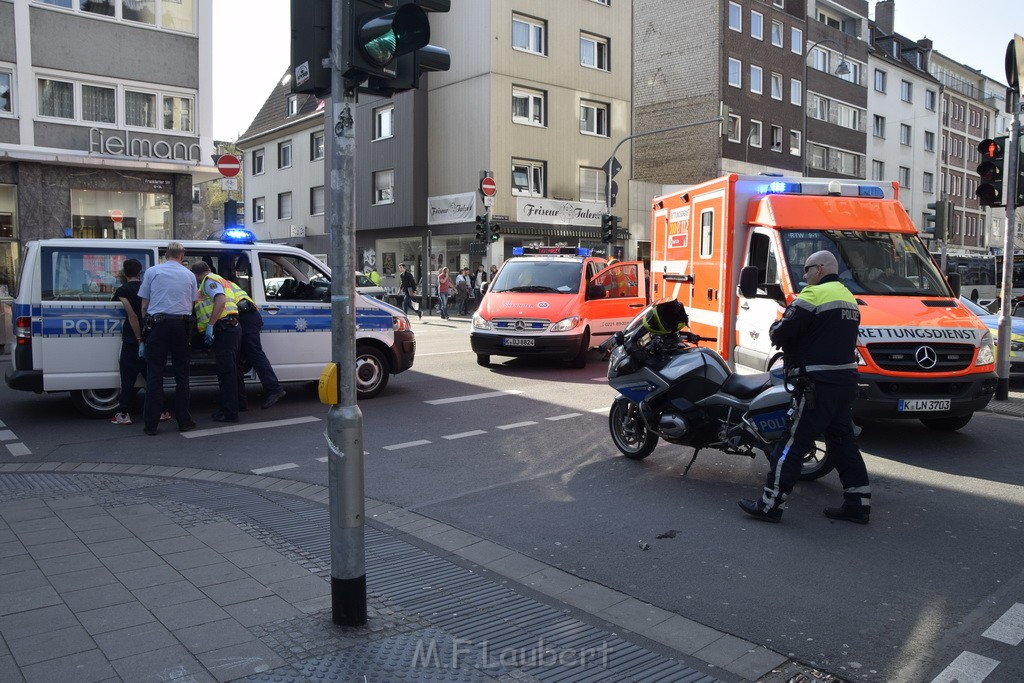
885, 11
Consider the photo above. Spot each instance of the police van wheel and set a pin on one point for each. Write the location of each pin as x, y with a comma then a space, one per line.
483, 360
95, 403
947, 424
371, 372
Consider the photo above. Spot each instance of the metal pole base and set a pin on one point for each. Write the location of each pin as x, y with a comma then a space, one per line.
1002, 389
348, 601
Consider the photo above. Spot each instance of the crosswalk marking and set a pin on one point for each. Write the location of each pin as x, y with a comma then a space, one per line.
1008, 628
7, 435
249, 427
967, 668
18, 449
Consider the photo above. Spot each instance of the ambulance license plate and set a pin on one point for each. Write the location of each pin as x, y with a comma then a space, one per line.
923, 405
517, 341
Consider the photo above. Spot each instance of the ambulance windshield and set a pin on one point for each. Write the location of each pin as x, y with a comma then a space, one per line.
558, 275
893, 264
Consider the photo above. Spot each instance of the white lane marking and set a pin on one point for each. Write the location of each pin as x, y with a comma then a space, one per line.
967, 668
275, 468
2, 423
463, 435
555, 418
1008, 628
442, 353
18, 449
7, 435
602, 378
600, 410
323, 459
527, 423
473, 397
249, 427
407, 444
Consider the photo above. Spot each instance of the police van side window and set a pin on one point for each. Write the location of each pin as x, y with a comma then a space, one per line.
85, 274
290, 278
231, 265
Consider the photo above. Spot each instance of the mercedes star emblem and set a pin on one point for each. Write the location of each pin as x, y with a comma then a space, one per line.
926, 357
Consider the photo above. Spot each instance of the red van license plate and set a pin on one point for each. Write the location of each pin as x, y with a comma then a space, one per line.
923, 405
517, 341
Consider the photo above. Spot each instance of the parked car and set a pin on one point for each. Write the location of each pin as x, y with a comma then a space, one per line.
991, 321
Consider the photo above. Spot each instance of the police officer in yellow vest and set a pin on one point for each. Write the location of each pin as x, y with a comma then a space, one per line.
217, 319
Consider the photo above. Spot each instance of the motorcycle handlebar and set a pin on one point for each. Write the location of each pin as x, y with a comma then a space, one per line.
692, 338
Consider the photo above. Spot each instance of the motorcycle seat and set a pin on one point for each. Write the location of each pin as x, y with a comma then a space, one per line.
746, 386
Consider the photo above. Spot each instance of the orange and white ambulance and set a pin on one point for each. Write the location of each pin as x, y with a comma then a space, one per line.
556, 302
732, 250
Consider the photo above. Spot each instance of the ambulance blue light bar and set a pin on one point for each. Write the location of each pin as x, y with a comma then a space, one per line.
782, 187
550, 251
872, 191
234, 236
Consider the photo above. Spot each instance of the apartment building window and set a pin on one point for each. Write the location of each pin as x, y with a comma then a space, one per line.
316, 201
928, 182
880, 80
796, 40
99, 104
756, 86
756, 25
776, 138
139, 109
384, 187
384, 122
777, 31
593, 185
173, 15
528, 107
594, 118
284, 154
879, 126
929, 100
735, 73
594, 52
529, 35
197, 194
258, 162
776, 86
878, 170
819, 108
733, 133
906, 91
527, 178
905, 134
929, 141
177, 113
284, 206
754, 134
796, 92
293, 105
259, 209
735, 16
794, 142
56, 98
904, 177
316, 146
847, 116
6, 92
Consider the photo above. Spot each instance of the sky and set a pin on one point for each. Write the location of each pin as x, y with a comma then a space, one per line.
251, 46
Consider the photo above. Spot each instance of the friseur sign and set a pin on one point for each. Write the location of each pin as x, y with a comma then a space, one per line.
451, 208
124, 144
558, 212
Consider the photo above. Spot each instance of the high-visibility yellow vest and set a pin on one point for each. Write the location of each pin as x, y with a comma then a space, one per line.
204, 308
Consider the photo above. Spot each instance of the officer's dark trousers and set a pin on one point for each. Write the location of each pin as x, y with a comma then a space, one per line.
822, 410
252, 351
227, 340
169, 336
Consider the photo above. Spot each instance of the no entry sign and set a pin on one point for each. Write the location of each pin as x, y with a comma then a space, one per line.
229, 165
116, 216
488, 187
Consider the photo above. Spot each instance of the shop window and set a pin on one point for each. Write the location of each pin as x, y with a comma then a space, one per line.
177, 113
140, 109
8, 240
144, 215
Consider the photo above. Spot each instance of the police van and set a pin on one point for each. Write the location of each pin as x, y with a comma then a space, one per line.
68, 330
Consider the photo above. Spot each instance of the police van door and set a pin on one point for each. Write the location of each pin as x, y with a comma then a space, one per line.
753, 351
296, 314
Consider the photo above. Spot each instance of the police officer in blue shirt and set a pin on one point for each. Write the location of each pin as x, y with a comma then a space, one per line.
168, 293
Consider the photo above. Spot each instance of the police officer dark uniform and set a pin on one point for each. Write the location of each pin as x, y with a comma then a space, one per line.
818, 338
168, 291
217, 320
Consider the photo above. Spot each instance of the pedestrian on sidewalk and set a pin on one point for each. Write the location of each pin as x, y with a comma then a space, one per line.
407, 285
168, 292
463, 285
444, 285
818, 337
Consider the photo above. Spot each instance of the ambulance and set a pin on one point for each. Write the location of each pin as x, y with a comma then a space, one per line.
733, 250
555, 302
68, 331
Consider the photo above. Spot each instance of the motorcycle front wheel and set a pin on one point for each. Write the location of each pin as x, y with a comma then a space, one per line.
630, 435
817, 463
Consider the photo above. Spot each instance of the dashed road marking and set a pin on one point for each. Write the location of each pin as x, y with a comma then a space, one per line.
514, 425
249, 427
407, 444
323, 459
1008, 628
555, 418
473, 397
599, 410
967, 668
18, 449
463, 435
274, 468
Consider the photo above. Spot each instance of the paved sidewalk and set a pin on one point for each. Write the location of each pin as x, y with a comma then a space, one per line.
137, 573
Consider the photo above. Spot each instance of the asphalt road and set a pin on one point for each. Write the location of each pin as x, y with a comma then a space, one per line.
519, 453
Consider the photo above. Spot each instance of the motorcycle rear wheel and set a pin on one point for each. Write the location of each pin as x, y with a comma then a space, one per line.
817, 463
629, 434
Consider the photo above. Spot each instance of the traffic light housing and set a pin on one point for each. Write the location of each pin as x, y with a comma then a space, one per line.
481, 228
991, 190
414, 64
378, 32
310, 46
495, 233
1018, 192
608, 228
940, 220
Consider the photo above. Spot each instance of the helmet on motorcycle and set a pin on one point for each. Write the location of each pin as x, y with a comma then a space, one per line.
665, 317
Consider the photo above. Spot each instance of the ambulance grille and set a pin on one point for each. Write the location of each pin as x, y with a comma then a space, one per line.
904, 357
520, 325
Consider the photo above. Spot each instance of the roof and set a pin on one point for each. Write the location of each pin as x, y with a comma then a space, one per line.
274, 112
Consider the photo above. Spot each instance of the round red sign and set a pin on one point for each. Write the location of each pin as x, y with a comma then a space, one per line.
488, 187
116, 215
229, 165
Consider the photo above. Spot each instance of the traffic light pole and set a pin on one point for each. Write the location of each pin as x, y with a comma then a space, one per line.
1006, 291
344, 419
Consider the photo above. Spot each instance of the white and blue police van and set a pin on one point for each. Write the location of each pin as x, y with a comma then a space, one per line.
67, 328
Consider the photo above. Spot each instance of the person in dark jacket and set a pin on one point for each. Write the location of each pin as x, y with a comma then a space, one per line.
818, 337
407, 284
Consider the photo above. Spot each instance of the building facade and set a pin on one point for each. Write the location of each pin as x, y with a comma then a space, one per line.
92, 143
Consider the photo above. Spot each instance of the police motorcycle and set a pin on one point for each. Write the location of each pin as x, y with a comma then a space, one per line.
671, 388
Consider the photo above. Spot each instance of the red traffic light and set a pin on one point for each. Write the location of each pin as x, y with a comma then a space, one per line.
991, 149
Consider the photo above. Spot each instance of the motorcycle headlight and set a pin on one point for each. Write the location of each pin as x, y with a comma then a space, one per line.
986, 354
479, 323
565, 324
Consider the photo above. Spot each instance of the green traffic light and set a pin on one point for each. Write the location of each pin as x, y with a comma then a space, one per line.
385, 36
